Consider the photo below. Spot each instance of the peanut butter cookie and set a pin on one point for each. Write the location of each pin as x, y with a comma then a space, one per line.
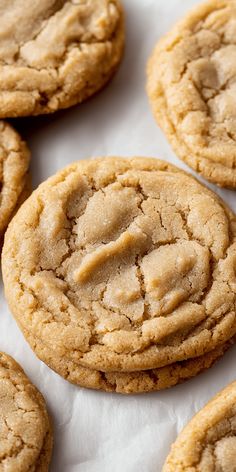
25, 431
208, 442
126, 382
56, 53
125, 265
192, 89
14, 178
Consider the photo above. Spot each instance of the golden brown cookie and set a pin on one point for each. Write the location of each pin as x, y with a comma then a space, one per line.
208, 442
192, 89
14, 177
56, 53
25, 430
125, 265
126, 382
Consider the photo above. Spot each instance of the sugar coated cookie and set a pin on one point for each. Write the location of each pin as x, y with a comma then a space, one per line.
192, 89
125, 265
208, 442
56, 53
14, 177
25, 430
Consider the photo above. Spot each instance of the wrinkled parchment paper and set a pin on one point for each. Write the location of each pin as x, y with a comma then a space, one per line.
95, 431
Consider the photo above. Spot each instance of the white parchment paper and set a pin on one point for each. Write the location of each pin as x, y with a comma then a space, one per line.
95, 431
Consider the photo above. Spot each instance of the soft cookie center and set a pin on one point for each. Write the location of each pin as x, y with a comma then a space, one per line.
130, 263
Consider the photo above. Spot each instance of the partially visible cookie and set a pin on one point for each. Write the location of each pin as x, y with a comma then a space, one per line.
14, 177
54, 54
192, 89
125, 265
27, 190
208, 442
25, 430
126, 382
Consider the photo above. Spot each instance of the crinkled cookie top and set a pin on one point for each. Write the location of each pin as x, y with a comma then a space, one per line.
123, 265
208, 442
14, 163
25, 437
192, 88
55, 53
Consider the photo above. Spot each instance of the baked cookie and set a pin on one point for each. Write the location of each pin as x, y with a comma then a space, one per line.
125, 265
208, 442
126, 382
56, 53
25, 430
14, 177
192, 89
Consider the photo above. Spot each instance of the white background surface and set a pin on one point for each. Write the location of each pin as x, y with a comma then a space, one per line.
95, 431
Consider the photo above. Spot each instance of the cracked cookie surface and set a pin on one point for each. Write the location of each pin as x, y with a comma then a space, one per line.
14, 178
208, 442
192, 84
56, 53
125, 264
25, 431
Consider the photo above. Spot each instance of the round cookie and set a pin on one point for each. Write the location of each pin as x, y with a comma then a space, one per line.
25, 430
126, 382
125, 265
14, 178
208, 442
191, 86
54, 54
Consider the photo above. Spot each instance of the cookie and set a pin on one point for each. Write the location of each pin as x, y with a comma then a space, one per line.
208, 442
125, 265
54, 54
14, 177
25, 430
191, 86
126, 382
